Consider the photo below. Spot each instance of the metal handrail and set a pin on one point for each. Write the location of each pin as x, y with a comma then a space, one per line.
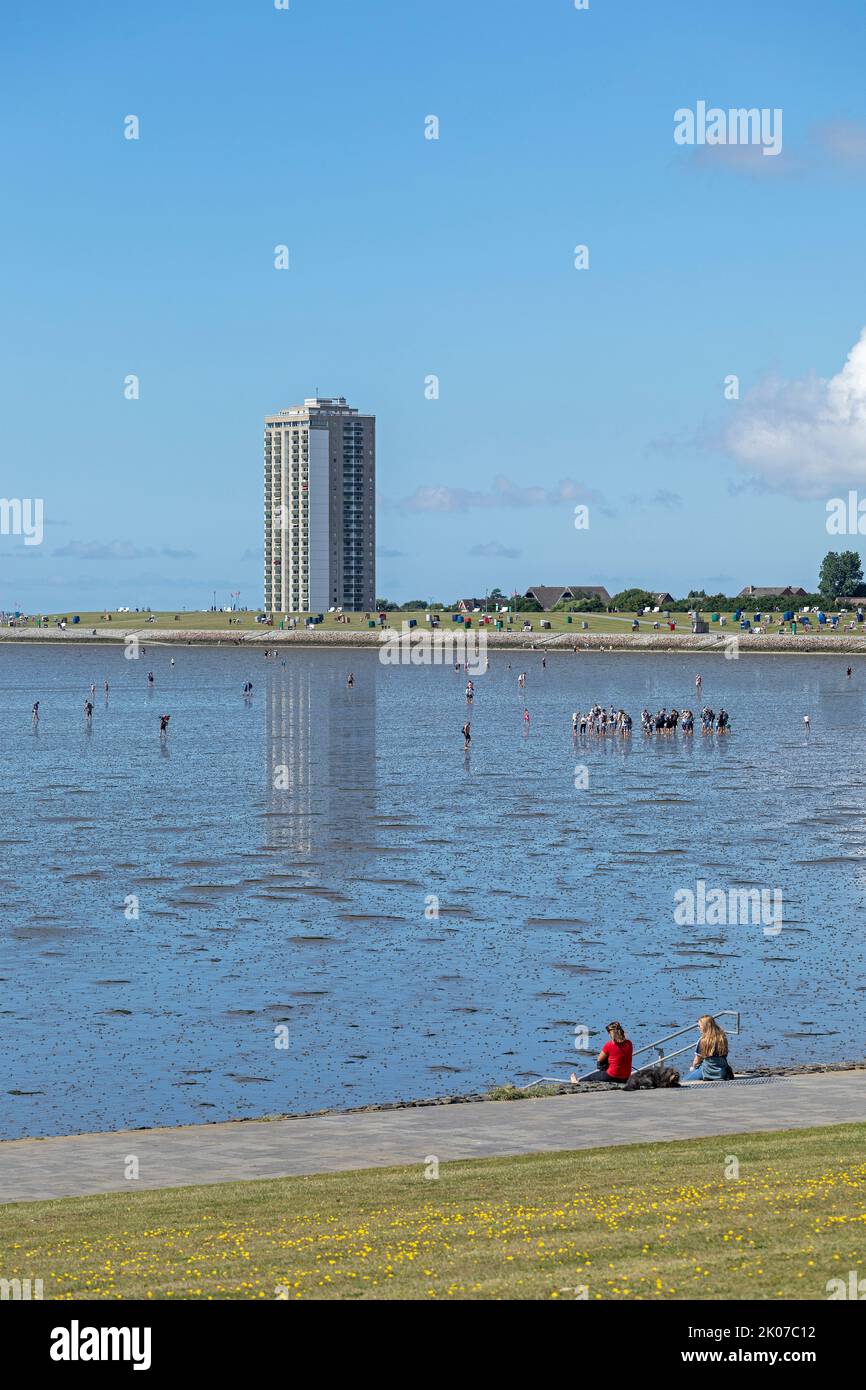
650, 1047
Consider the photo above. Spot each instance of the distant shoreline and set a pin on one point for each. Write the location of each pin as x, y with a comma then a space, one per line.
709, 643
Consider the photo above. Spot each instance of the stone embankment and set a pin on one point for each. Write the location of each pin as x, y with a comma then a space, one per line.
717, 642
510, 1092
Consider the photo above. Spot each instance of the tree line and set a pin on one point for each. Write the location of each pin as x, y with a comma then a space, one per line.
841, 576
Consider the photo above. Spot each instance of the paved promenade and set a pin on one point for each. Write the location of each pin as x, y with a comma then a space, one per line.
31, 1169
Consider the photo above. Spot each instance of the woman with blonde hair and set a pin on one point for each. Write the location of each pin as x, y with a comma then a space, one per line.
711, 1055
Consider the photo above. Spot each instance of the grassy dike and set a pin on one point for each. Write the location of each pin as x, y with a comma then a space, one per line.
757, 1216
603, 633
208, 621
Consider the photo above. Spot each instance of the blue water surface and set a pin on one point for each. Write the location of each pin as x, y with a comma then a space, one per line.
336, 906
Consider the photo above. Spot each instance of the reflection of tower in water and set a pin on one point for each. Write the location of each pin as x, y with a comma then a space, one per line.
321, 755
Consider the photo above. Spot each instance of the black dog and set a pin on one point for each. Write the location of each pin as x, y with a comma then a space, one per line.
652, 1078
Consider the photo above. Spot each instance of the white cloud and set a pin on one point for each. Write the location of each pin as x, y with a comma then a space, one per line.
662, 497
836, 146
807, 436
494, 550
99, 550
117, 550
747, 160
504, 493
844, 141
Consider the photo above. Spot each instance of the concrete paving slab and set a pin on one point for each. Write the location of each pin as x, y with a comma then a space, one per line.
32, 1169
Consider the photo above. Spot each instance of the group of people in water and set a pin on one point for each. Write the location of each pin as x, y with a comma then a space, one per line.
664, 722
164, 719
598, 720
89, 705
601, 721
710, 1062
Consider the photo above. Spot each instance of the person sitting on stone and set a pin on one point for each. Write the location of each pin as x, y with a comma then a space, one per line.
711, 1055
614, 1060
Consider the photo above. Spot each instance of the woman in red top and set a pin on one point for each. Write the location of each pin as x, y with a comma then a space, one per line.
614, 1060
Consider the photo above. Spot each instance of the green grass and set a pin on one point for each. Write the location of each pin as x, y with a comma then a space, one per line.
510, 1092
212, 622
127, 621
654, 1221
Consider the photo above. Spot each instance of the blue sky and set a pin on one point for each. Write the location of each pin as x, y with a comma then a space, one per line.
412, 257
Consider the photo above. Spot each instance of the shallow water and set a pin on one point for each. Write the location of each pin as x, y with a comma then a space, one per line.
305, 906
